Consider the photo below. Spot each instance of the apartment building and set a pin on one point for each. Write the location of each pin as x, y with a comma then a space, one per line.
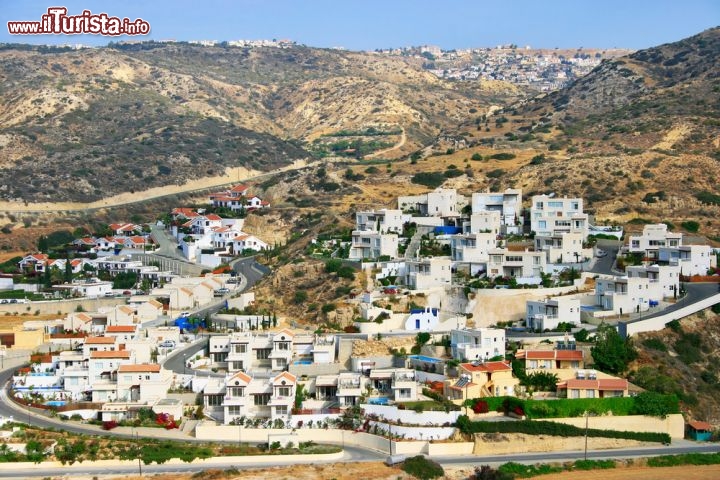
372, 244
477, 343
428, 273
441, 202
144, 383
653, 237
547, 314
489, 221
524, 266
550, 215
472, 248
562, 248
508, 204
549, 360
692, 259
381, 221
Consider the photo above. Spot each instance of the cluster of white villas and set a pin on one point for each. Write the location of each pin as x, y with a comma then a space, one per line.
561, 228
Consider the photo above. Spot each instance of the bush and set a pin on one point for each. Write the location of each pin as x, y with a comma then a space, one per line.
428, 179
534, 427
109, 425
422, 468
476, 157
346, 272
503, 156
684, 459
691, 226
655, 344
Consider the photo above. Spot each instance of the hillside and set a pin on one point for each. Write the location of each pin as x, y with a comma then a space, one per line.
683, 359
88, 124
637, 137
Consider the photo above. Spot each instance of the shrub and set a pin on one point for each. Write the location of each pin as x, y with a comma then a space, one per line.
346, 272
655, 344
422, 468
480, 406
476, 157
109, 425
503, 156
428, 179
691, 226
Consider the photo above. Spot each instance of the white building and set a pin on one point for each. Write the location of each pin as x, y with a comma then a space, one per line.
524, 266
554, 216
547, 314
382, 221
241, 395
424, 319
477, 343
142, 383
484, 221
507, 203
441, 202
637, 291
371, 244
562, 248
428, 273
692, 259
472, 247
653, 237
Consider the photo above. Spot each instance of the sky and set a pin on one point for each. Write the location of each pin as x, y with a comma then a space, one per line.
373, 24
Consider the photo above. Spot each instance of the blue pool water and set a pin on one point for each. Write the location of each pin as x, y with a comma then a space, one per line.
302, 362
589, 308
56, 403
425, 358
379, 401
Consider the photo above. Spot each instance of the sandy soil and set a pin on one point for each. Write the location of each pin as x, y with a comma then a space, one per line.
9, 321
638, 473
378, 471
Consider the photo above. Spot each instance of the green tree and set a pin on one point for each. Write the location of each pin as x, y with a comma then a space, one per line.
43, 244
611, 352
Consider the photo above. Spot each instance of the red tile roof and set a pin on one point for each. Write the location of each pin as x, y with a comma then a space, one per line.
141, 367
487, 367
599, 384
551, 355
695, 425
120, 329
100, 340
115, 354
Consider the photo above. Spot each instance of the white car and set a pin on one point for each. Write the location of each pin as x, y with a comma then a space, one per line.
184, 314
600, 253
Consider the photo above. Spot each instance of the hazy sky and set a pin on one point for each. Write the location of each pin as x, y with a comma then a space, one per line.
371, 24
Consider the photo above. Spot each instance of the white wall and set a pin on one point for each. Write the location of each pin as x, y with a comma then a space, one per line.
628, 329
391, 412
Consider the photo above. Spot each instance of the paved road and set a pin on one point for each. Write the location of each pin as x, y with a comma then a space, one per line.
167, 246
604, 265
695, 293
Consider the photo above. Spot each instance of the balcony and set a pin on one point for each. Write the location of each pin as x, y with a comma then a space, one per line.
280, 401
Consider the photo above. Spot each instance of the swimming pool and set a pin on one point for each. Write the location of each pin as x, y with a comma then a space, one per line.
590, 308
56, 403
302, 362
379, 401
425, 358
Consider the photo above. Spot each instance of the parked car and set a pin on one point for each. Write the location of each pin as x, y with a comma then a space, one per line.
184, 314
601, 253
221, 291
167, 344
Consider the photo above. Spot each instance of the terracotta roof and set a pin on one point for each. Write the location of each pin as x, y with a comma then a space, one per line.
240, 376
125, 309
239, 188
487, 367
155, 303
552, 355
100, 340
120, 329
695, 425
287, 376
284, 331
113, 354
212, 216
141, 367
599, 384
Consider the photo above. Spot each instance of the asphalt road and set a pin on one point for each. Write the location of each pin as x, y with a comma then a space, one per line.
167, 246
695, 293
604, 265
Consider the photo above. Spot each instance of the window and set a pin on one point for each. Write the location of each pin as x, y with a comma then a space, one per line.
236, 391
281, 410
555, 204
283, 345
236, 365
261, 399
589, 393
533, 364
235, 410
241, 348
263, 353
574, 393
283, 391
214, 400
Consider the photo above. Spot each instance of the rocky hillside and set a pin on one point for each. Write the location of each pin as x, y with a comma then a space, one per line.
84, 125
683, 359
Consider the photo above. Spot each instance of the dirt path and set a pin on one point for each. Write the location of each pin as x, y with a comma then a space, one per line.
685, 472
400, 144
232, 175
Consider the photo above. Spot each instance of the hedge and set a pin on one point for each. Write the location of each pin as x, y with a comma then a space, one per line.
684, 459
647, 403
534, 427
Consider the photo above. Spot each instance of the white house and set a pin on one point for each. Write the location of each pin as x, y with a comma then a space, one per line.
472, 247
477, 343
246, 396
547, 314
428, 273
142, 383
550, 216
692, 259
508, 204
654, 237
424, 319
484, 221
441, 202
371, 244
562, 248
382, 221
525, 266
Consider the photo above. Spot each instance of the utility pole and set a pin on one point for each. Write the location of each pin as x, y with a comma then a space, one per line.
586, 433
